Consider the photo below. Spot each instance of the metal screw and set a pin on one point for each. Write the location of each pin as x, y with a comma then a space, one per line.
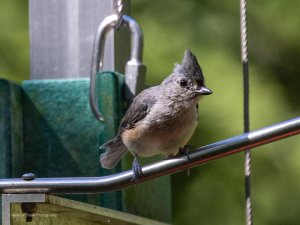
28, 176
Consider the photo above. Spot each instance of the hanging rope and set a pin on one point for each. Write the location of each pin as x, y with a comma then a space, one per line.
244, 57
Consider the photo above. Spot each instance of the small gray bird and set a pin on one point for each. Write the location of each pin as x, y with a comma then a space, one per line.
161, 119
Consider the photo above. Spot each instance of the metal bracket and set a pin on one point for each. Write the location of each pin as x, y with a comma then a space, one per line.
27, 208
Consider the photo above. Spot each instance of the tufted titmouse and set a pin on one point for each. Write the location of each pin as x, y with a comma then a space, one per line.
161, 119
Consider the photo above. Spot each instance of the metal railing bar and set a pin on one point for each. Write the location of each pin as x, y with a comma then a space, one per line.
165, 167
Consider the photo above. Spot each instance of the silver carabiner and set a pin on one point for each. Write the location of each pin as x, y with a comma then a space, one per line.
104, 28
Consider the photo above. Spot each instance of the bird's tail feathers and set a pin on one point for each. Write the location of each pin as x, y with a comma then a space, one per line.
115, 149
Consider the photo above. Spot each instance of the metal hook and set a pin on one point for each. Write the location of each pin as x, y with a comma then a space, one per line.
104, 28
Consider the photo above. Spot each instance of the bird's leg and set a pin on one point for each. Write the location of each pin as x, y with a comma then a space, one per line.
184, 151
137, 169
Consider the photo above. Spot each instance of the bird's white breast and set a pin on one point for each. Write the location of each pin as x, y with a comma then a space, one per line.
163, 131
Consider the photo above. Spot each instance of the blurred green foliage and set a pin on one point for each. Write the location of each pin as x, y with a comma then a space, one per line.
214, 193
14, 40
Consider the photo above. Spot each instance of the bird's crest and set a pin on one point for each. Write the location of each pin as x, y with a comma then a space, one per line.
189, 65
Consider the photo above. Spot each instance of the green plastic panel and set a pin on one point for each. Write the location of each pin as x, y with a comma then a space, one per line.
62, 136
60, 132
11, 151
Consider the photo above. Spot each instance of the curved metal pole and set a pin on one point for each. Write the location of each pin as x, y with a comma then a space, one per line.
137, 41
97, 59
109, 23
164, 167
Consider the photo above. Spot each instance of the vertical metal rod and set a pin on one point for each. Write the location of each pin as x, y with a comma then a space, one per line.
244, 58
62, 34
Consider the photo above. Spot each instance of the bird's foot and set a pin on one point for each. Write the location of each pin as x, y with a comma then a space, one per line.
137, 170
185, 151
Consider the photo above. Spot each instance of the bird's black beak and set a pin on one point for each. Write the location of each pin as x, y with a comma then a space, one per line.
204, 91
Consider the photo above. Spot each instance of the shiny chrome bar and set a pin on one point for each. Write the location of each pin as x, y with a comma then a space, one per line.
169, 166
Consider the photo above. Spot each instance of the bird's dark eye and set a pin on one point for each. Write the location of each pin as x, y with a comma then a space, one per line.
183, 82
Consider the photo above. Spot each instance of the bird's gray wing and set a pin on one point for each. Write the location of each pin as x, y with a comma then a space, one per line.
139, 108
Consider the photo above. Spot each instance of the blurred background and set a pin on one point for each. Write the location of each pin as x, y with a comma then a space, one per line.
214, 192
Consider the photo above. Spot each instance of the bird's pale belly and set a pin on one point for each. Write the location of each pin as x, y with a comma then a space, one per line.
151, 139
